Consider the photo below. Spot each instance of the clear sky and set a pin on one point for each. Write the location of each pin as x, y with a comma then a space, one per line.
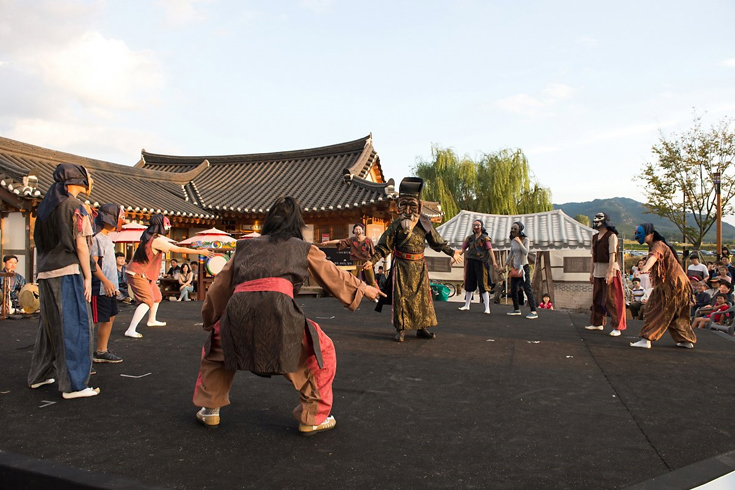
583, 88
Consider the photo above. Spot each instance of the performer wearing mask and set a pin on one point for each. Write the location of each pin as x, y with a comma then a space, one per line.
405, 238
145, 267
64, 342
361, 249
518, 259
478, 251
668, 306
608, 297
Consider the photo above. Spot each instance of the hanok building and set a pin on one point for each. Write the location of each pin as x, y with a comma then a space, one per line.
336, 185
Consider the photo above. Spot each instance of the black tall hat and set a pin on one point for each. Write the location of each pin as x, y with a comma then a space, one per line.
411, 186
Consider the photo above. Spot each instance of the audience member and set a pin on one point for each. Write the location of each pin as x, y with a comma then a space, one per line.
697, 269
720, 305
546, 303
123, 294
15, 282
174, 270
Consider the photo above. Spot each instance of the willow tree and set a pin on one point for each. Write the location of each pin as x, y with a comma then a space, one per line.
449, 180
499, 183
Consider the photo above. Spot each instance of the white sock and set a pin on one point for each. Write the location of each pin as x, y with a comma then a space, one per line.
152, 316
486, 300
467, 299
140, 312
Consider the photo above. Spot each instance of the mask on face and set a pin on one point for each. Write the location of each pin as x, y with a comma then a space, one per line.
640, 235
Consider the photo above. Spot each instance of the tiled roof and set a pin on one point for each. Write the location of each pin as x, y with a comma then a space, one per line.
135, 188
326, 178
552, 230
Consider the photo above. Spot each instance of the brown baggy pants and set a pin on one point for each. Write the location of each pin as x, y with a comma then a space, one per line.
313, 383
668, 309
608, 299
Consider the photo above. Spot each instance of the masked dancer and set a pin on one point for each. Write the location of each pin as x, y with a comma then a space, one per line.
608, 297
668, 306
405, 238
361, 249
63, 349
145, 267
478, 252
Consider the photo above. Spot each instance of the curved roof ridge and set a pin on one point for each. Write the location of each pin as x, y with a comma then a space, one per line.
347, 147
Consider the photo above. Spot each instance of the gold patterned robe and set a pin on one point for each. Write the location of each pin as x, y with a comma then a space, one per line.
410, 293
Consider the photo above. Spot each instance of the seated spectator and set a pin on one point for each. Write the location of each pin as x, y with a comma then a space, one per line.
15, 282
123, 294
725, 261
714, 287
701, 297
697, 269
721, 305
724, 290
546, 303
194, 264
644, 277
711, 269
637, 299
174, 270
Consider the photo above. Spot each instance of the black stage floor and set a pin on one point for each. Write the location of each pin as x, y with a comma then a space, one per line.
494, 402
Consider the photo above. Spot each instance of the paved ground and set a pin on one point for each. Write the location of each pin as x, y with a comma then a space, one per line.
494, 402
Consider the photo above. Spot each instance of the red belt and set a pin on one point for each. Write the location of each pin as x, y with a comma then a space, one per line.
277, 284
407, 256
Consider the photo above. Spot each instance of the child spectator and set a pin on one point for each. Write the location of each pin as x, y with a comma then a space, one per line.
122, 294
701, 322
702, 298
546, 303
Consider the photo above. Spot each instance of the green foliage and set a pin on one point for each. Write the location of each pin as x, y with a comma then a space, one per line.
680, 181
584, 219
499, 183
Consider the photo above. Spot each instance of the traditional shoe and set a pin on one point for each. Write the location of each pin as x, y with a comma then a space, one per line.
209, 417
615, 333
156, 324
85, 393
310, 430
686, 345
399, 336
594, 327
643, 344
464, 308
514, 313
487, 312
41, 383
173, 298
134, 335
423, 333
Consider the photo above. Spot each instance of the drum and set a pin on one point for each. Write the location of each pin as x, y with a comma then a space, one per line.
28, 298
216, 263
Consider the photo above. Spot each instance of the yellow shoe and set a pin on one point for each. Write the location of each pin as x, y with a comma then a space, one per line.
209, 417
310, 430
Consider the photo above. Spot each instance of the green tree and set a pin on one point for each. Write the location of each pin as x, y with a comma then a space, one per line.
680, 181
499, 183
584, 219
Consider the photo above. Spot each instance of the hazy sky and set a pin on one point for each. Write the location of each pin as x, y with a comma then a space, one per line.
583, 88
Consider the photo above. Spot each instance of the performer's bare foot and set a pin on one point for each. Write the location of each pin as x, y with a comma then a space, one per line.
423, 333
399, 336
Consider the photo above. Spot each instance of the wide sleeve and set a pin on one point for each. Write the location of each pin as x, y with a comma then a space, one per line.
437, 243
385, 244
344, 243
348, 289
218, 294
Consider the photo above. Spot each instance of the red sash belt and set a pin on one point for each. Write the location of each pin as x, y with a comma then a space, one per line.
407, 256
277, 284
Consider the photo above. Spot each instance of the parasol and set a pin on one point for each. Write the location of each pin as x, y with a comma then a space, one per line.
211, 238
130, 233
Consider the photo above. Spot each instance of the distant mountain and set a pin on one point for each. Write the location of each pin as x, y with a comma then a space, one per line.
626, 214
